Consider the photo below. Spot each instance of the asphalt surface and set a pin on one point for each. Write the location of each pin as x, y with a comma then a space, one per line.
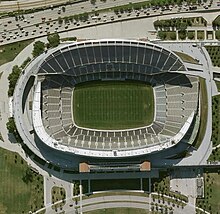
25, 28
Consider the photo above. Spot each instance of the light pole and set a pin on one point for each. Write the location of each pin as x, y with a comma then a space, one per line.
18, 5
80, 197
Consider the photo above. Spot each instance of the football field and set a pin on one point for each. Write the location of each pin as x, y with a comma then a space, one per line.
113, 104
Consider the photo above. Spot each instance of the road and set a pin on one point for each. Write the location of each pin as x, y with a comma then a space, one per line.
106, 202
11, 32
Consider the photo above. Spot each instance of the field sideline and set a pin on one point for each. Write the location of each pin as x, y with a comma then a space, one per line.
113, 104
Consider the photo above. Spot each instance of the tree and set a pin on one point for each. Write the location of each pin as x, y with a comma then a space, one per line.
53, 39
200, 35
76, 17
38, 48
76, 190
162, 35
25, 62
191, 34
12, 78
60, 20
63, 9
11, 125
28, 177
93, 1
66, 19
173, 35
157, 24
182, 26
182, 34
84, 17
217, 34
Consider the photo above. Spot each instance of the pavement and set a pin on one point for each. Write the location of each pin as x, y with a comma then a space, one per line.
184, 181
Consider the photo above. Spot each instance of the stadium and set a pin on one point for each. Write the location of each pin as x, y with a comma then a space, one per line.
106, 99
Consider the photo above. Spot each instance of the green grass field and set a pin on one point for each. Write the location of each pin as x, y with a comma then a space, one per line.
218, 85
113, 105
203, 113
212, 193
186, 57
21, 190
120, 210
10, 51
214, 54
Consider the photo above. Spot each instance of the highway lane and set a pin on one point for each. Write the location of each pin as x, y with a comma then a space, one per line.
78, 8
52, 14
29, 30
23, 5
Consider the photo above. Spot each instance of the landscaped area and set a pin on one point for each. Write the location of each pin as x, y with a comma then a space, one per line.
20, 186
203, 113
215, 128
200, 34
58, 195
218, 85
113, 104
214, 54
10, 51
215, 120
167, 28
161, 186
186, 57
210, 202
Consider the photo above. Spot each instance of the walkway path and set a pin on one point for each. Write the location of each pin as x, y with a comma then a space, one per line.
201, 155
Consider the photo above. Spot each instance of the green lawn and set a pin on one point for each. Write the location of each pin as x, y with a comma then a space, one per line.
215, 128
21, 188
113, 104
203, 113
186, 57
218, 85
58, 194
200, 34
215, 120
212, 193
119, 210
10, 51
214, 54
